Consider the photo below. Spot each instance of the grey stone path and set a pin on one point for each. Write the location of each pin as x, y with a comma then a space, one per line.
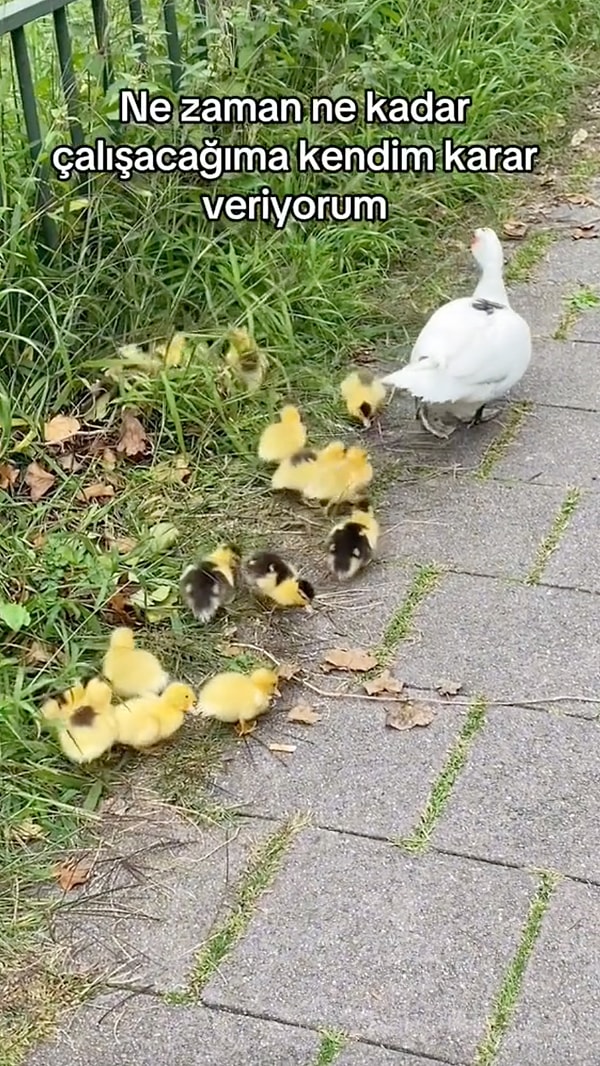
441, 903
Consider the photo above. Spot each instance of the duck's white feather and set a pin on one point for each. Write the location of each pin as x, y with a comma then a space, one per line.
466, 354
468, 351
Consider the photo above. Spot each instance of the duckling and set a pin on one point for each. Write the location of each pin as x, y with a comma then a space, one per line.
352, 542
276, 580
210, 584
293, 473
235, 697
282, 439
245, 359
87, 726
364, 395
146, 720
336, 480
130, 670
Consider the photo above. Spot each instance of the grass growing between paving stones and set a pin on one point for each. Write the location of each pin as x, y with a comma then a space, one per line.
256, 879
583, 300
399, 628
499, 447
511, 986
332, 1043
528, 255
455, 763
551, 542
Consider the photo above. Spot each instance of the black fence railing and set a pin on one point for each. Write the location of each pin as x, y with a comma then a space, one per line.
17, 15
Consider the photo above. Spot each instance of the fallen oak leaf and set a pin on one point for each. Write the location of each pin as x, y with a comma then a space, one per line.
38, 481
61, 428
133, 440
303, 715
585, 233
514, 229
407, 715
284, 749
72, 873
8, 475
348, 659
97, 491
448, 688
70, 463
383, 683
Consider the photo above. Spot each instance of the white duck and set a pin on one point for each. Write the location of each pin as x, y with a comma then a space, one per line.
470, 352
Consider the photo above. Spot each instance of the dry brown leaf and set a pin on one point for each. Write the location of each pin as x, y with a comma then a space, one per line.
514, 229
121, 607
124, 545
133, 440
285, 749
585, 233
70, 463
97, 491
37, 653
448, 688
579, 137
109, 459
38, 480
8, 475
383, 683
348, 659
61, 428
408, 715
286, 671
72, 873
303, 715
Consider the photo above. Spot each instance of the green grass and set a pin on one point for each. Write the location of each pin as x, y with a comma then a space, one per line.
332, 1043
527, 256
511, 986
499, 447
550, 543
256, 879
425, 580
583, 300
439, 795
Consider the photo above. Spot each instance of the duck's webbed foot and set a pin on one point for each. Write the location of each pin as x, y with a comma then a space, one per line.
484, 414
435, 425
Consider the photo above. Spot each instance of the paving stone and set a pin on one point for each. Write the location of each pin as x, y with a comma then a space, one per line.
156, 891
420, 455
348, 770
576, 561
557, 1020
541, 304
144, 1031
587, 328
528, 794
509, 642
555, 447
367, 1055
356, 935
563, 374
482, 527
573, 262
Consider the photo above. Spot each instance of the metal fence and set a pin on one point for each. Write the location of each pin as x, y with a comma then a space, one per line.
16, 15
